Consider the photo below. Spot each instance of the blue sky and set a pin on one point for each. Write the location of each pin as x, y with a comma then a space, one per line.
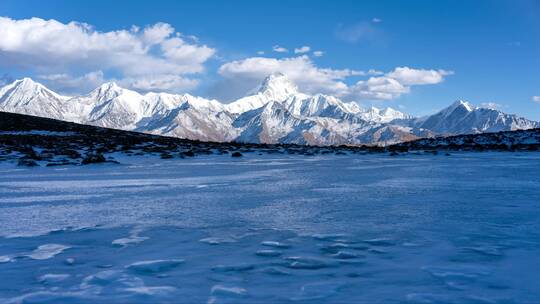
480, 51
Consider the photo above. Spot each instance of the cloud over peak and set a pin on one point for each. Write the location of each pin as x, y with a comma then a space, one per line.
77, 49
301, 70
313, 79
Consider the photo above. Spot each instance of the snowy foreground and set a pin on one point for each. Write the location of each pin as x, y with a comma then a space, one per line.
463, 228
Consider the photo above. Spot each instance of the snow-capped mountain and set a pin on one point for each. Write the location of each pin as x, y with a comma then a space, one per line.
275, 112
462, 117
25, 96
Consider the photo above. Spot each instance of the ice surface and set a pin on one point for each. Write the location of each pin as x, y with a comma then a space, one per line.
155, 266
274, 229
46, 251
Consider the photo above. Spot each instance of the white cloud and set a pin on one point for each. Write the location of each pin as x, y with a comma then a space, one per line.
409, 76
378, 88
491, 105
302, 50
279, 49
260, 53
376, 20
157, 33
312, 79
536, 99
301, 70
50, 47
318, 53
395, 83
70, 83
374, 72
160, 83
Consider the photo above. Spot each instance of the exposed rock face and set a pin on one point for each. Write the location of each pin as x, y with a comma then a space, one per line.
275, 113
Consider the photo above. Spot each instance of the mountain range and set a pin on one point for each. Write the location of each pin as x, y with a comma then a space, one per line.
275, 112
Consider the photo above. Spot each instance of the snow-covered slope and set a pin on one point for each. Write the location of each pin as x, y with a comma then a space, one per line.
25, 96
383, 115
463, 118
276, 112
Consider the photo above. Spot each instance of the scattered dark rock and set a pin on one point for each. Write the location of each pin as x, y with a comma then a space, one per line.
165, 156
93, 158
27, 162
46, 155
187, 153
73, 154
96, 143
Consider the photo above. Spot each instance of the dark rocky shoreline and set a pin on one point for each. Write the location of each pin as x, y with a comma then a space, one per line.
29, 140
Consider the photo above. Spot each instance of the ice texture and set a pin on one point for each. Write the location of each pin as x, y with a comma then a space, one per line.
426, 228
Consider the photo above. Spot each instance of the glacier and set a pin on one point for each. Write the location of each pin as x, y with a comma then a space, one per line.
274, 229
274, 112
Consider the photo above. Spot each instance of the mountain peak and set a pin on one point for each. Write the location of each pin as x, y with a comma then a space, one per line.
26, 88
106, 91
111, 85
25, 80
27, 84
277, 86
462, 103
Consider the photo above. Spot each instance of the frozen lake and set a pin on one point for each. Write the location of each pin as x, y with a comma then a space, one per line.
463, 228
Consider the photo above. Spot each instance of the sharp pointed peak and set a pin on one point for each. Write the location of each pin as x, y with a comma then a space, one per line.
277, 86
26, 81
110, 85
29, 85
106, 91
462, 103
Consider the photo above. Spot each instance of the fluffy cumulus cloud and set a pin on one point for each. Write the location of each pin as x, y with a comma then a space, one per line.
75, 56
378, 88
313, 79
301, 70
152, 57
395, 83
536, 99
408, 76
